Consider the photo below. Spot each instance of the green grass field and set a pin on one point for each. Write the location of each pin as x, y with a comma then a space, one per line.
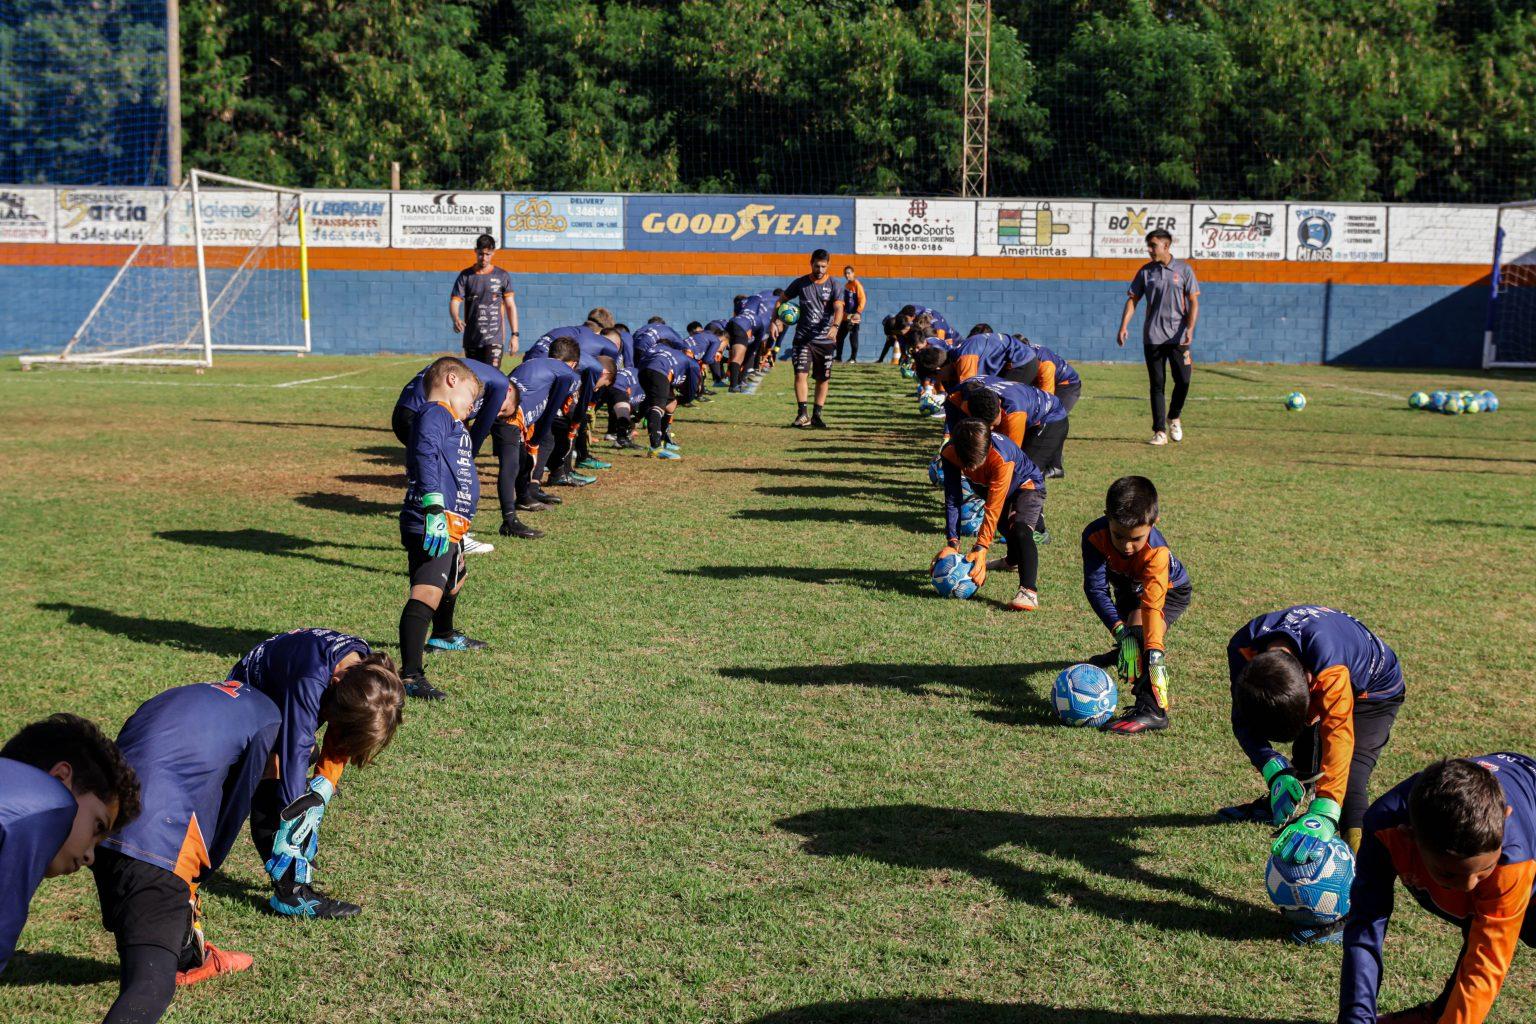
729, 759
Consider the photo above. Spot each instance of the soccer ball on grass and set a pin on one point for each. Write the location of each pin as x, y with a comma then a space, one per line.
1314, 894
1085, 695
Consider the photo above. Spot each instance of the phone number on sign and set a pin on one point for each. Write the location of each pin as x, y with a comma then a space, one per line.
938, 248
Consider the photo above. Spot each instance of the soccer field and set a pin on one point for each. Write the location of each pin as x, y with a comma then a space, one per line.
729, 759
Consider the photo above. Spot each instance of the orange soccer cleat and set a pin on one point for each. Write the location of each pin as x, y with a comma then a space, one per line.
216, 962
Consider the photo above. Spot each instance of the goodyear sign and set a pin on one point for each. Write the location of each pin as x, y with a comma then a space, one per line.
738, 224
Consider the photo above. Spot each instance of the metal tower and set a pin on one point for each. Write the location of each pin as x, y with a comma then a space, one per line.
977, 101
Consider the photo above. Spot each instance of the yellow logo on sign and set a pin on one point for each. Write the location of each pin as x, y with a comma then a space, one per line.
535, 215
754, 218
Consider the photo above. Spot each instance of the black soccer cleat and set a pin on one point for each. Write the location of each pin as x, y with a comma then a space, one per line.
299, 900
511, 526
544, 497
817, 423
418, 687
1055, 473
565, 480
1136, 720
532, 505
1254, 810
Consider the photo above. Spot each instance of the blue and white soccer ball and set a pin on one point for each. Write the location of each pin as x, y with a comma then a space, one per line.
1473, 404
1418, 400
1437, 400
1085, 695
936, 471
971, 515
788, 312
1453, 406
1314, 894
929, 402
1295, 401
1490, 401
952, 577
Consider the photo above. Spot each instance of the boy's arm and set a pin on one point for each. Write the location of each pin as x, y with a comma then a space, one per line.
485, 419
1490, 944
455, 303
559, 391
1336, 731
26, 847
331, 764
967, 367
1370, 909
1096, 585
427, 445
1014, 426
1154, 592
952, 502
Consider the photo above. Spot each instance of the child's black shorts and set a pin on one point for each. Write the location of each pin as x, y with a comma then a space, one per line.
1128, 599
445, 571
144, 905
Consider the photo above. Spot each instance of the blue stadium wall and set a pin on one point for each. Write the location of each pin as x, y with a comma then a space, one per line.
369, 301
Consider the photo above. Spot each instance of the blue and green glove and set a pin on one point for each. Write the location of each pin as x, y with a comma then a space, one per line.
1285, 790
434, 539
1306, 839
1128, 654
298, 832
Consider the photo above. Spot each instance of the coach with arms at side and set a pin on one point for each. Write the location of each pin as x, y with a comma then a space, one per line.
1167, 332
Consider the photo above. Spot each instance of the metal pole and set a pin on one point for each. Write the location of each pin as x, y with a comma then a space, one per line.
394, 175
202, 270
173, 92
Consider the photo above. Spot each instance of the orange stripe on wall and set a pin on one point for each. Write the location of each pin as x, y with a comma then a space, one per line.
785, 265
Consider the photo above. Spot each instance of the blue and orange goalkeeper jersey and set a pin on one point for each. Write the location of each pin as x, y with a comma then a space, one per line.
704, 345
440, 460
37, 812
652, 335
1151, 572
1005, 471
1052, 371
941, 328
199, 752
681, 370
293, 670
1345, 663
990, 354
1024, 407
483, 416
585, 337
1492, 914
547, 388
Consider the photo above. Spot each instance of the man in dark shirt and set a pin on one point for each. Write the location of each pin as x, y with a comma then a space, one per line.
1173, 305
483, 307
821, 312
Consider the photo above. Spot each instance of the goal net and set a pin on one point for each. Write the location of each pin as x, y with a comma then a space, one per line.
1510, 337
223, 265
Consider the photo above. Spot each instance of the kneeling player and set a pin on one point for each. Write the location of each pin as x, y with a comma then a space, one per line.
1138, 589
1461, 836
199, 752
316, 677
1015, 502
64, 787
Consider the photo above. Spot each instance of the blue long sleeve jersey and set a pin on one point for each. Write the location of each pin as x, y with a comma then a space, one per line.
1150, 572
37, 812
941, 327
680, 369
1005, 470
1053, 371
293, 670
705, 346
1492, 914
990, 354
1024, 407
547, 388
199, 752
627, 382
440, 460
1345, 663
483, 416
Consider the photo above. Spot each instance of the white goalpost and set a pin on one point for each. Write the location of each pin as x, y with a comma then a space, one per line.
1509, 335
224, 268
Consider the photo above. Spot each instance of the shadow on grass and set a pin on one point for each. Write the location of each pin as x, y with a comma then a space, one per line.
236, 891
970, 1011
900, 581
954, 839
395, 481
299, 426
837, 518
1481, 525
777, 472
383, 454
267, 542
187, 636
347, 503
1005, 687
1413, 469
48, 968
909, 495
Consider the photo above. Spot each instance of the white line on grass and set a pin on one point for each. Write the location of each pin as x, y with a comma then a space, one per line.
317, 380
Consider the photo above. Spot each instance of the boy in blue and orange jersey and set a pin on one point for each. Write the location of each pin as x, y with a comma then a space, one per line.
854, 301
64, 787
1320, 679
1055, 376
1138, 589
442, 492
1461, 836
982, 352
589, 335
1015, 503
547, 392
895, 341
1025, 415
657, 332
666, 375
318, 678
624, 397
704, 344
919, 323
199, 752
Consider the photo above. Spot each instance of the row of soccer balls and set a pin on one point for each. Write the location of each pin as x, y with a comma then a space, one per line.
1454, 402
1311, 895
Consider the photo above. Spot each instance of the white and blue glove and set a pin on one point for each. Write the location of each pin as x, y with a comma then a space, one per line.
298, 832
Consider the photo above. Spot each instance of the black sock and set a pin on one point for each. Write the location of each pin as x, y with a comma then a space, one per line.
653, 426
415, 624
1027, 557
803, 408
623, 426
817, 413
735, 375
442, 619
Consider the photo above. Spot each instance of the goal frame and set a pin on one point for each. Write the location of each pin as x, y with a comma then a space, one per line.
202, 356
1491, 360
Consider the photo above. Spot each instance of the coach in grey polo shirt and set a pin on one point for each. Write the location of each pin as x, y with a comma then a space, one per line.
1173, 306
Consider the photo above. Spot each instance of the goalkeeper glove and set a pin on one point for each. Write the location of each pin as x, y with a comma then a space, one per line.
434, 538
978, 559
298, 831
1128, 654
1306, 839
1157, 677
1285, 790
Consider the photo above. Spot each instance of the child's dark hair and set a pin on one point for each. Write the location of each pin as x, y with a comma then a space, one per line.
363, 709
97, 764
442, 367
984, 405
1456, 807
908, 311
621, 328
980, 329
694, 327
600, 317
565, 349
1271, 693
929, 360
1132, 502
972, 440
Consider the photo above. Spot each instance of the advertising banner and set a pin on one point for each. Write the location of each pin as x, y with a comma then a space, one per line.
1033, 227
443, 220
343, 220
1239, 231
1441, 234
26, 215
230, 217
562, 222
739, 224
916, 227
1120, 229
1321, 233
111, 216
